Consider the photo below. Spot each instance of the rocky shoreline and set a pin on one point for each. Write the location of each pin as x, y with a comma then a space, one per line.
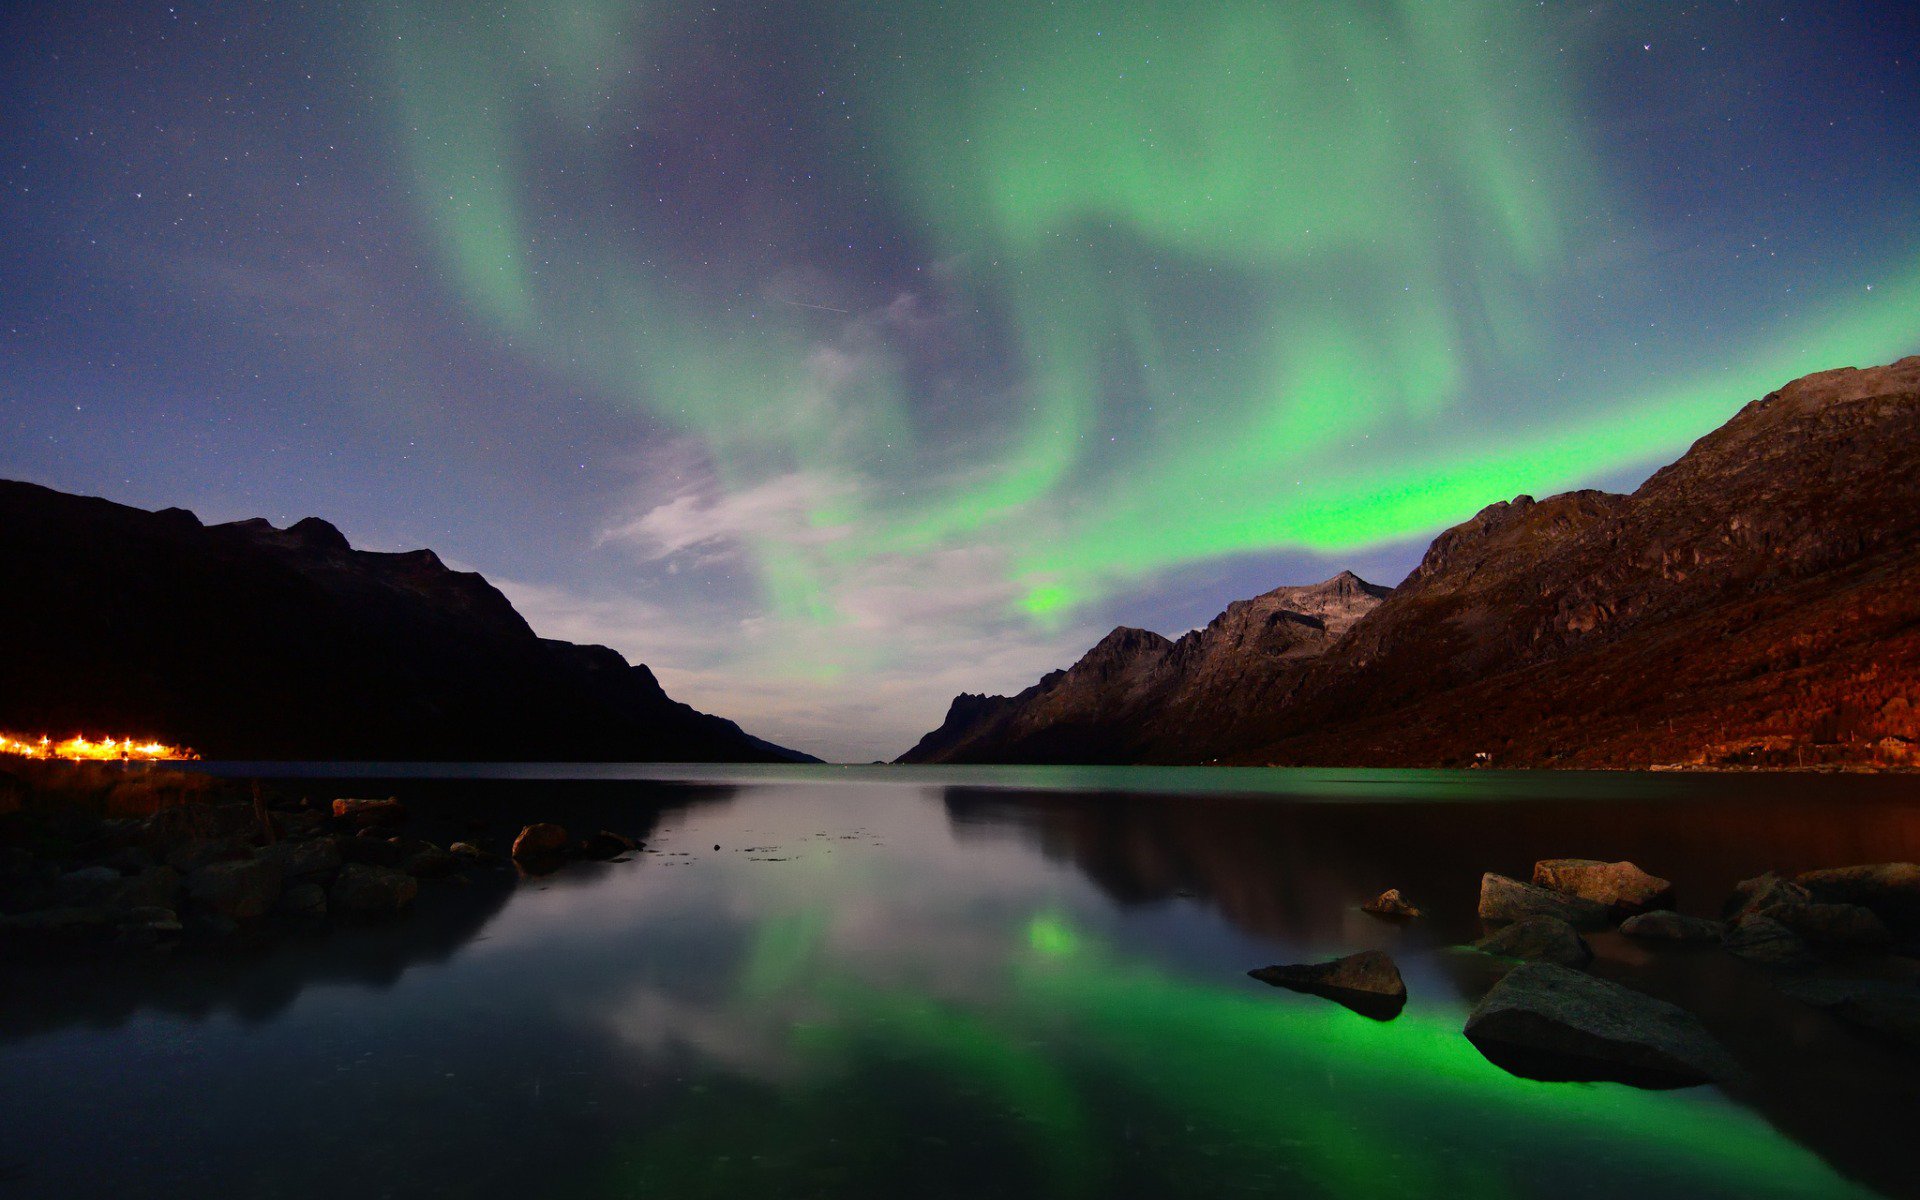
219, 868
1844, 940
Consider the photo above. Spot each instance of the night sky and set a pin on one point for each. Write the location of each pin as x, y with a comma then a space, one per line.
832, 358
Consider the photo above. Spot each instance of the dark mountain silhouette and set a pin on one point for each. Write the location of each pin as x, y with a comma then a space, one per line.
1755, 602
247, 641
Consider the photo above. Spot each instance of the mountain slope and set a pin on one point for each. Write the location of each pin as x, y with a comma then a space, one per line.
1137, 695
1756, 601
247, 641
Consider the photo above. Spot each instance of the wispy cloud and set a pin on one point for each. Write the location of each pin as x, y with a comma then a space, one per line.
710, 524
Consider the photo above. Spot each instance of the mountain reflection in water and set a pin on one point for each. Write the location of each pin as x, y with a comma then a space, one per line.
908, 983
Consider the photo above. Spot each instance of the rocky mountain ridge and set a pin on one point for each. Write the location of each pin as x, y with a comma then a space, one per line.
1136, 692
1755, 602
244, 640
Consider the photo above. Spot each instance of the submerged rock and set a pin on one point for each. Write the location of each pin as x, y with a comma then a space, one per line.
1766, 941
1367, 982
155, 887
239, 891
1548, 1022
1882, 1008
368, 891
148, 928
1621, 886
1504, 899
433, 863
1667, 925
1390, 903
1540, 939
304, 901
605, 844
1837, 925
56, 930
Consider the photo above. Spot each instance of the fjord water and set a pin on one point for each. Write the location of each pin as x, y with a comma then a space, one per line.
959, 982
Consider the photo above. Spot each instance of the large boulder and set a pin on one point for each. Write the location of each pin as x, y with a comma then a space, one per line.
1667, 925
1885, 1009
87, 886
298, 825
1833, 925
1367, 982
1621, 886
1504, 899
155, 887
373, 847
1890, 889
310, 857
367, 891
1762, 894
433, 863
1549, 1022
1538, 939
201, 822
306, 902
239, 891
362, 813
1766, 941
540, 840
1390, 903
147, 928
56, 931
189, 856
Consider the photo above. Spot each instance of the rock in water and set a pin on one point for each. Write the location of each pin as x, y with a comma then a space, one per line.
1833, 925
304, 901
1504, 899
1882, 1008
1540, 939
239, 891
1367, 982
1890, 889
1620, 886
1766, 941
1667, 925
605, 844
310, 857
433, 863
362, 813
1390, 903
1762, 894
365, 891
542, 840
1548, 1022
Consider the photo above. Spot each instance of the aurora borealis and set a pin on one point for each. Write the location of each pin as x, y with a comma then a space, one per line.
835, 357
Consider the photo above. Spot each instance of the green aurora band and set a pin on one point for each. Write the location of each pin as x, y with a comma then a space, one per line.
1072, 1062
1270, 277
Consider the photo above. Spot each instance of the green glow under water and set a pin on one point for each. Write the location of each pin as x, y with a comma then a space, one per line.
1257, 264
1076, 1049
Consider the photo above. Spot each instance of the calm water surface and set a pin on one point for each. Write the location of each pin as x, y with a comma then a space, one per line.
956, 982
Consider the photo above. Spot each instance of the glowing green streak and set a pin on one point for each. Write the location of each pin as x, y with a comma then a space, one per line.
1266, 1080
1268, 272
